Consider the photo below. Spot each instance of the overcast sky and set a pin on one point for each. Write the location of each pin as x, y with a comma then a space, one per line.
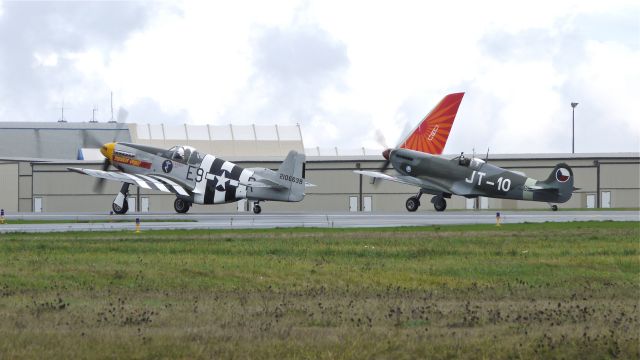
342, 69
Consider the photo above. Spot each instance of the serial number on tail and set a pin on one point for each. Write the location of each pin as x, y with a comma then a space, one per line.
293, 179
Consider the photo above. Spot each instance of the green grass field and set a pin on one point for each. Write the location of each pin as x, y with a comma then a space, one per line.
519, 291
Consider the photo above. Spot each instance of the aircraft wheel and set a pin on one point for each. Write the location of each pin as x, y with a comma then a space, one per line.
412, 204
439, 203
181, 206
554, 207
257, 209
120, 210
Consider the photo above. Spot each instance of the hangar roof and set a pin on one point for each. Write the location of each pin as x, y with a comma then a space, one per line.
73, 140
56, 140
231, 141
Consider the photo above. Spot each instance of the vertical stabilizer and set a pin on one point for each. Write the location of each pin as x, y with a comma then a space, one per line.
290, 174
431, 134
560, 179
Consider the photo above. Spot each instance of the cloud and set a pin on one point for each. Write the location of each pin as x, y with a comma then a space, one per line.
148, 111
294, 68
48, 49
536, 73
605, 84
341, 70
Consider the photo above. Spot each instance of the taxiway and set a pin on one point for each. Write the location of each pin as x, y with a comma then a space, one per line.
162, 221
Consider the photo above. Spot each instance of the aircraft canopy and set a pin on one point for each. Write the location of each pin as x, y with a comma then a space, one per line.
184, 154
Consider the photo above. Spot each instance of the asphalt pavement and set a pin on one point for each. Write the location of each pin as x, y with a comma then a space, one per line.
150, 221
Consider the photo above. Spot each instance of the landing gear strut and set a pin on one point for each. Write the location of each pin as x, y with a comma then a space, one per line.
439, 203
256, 208
181, 206
120, 205
413, 203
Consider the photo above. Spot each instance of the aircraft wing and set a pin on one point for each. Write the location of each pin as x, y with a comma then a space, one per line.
407, 180
152, 182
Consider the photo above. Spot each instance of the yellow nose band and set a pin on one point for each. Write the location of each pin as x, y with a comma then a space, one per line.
107, 150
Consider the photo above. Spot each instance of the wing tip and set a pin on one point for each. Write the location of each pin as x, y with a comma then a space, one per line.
76, 170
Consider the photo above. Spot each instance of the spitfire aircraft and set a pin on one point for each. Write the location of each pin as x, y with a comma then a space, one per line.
197, 178
417, 161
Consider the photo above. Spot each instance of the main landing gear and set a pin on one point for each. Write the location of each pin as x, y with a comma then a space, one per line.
120, 205
256, 208
554, 207
439, 203
413, 203
181, 206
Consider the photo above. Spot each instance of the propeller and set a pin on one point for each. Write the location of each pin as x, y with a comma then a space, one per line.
99, 184
122, 118
381, 140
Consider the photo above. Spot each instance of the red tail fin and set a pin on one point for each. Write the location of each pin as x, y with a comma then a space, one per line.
430, 136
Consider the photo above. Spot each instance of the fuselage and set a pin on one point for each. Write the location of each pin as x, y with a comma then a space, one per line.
212, 180
470, 177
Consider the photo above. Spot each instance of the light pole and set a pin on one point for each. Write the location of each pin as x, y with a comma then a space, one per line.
573, 126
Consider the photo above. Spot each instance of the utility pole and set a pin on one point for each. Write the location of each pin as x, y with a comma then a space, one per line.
573, 126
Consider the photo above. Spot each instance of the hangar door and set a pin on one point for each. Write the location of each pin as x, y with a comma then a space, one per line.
9, 187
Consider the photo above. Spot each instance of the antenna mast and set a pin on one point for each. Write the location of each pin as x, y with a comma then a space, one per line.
111, 108
93, 114
62, 113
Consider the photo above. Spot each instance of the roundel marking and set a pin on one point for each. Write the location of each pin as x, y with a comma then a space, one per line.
562, 175
167, 166
408, 168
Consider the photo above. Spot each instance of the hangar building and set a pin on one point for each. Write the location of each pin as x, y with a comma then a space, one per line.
34, 158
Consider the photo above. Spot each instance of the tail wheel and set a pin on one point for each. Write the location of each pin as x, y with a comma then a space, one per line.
554, 207
181, 206
257, 209
120, 210
412, 203
439, 203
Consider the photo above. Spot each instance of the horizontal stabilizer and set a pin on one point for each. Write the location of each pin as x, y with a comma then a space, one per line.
268, 184
263, 184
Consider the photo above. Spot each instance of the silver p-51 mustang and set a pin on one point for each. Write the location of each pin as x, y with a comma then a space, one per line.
197, 178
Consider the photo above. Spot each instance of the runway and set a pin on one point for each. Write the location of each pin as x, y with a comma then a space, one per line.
164, 221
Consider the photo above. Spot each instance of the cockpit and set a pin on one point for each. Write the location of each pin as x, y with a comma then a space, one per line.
473, 163
185, 154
